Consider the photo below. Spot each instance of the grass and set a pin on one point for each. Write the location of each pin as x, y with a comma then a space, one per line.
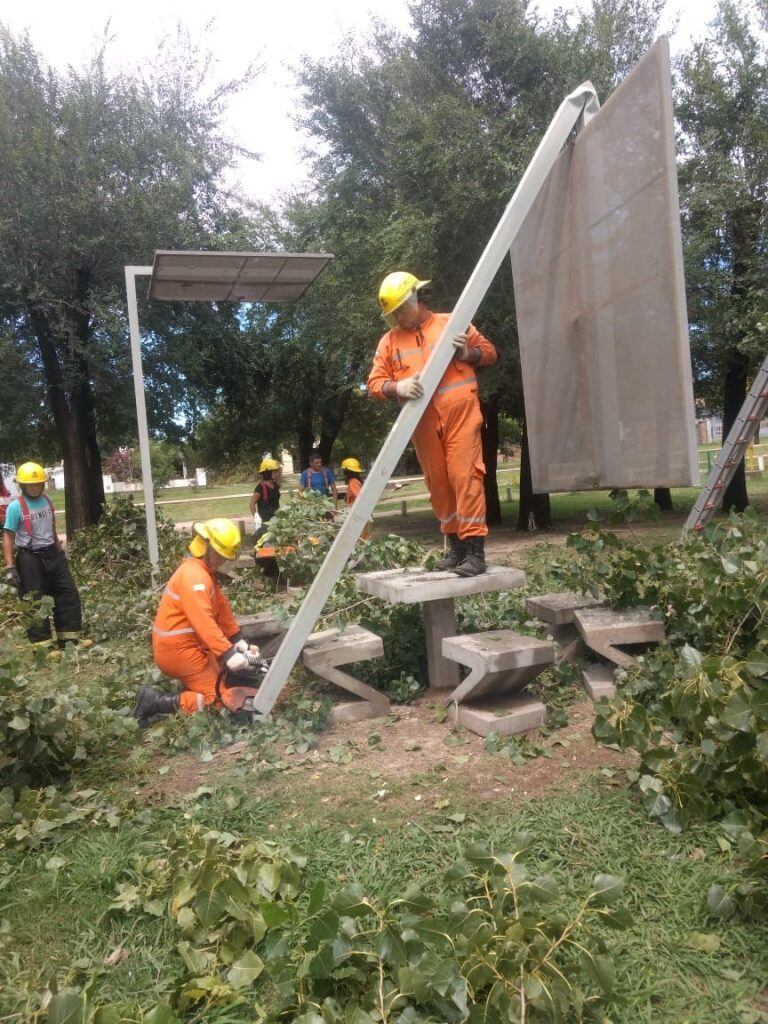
59, 918
59, 923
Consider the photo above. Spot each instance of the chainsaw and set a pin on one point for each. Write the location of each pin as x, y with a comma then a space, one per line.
237, 690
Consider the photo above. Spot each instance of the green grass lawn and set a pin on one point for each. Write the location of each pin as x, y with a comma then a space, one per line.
61, 924
569, 510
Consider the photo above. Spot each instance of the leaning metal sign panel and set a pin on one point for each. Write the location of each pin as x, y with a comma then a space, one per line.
600, 300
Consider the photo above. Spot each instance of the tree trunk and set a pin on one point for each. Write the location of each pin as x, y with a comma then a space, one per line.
534, 512
734, 393
75, 426
305, 435
663, 498
489, 436
330, 427
743, 229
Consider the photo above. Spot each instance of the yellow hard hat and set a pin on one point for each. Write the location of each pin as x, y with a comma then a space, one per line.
352, 465
267, 464
222, 534
31, 473
396, 288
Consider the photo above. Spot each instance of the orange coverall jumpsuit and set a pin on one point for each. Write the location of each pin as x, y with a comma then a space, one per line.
193, 628
447, 439
354, 486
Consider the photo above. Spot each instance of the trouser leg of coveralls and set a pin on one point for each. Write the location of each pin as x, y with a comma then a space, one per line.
67, 613
32, 575
428, 442
465, 467
195, 669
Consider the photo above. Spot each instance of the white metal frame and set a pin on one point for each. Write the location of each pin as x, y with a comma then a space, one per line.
575, 110
131, 273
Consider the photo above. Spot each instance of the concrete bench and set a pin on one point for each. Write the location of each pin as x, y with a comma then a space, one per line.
598, 681
558, 610
605, 631
501, 664
324, 652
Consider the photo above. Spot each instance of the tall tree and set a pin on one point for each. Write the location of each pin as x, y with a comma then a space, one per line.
98, 170
423, 139
723, 112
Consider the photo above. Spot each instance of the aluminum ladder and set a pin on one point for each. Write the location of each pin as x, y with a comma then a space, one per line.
732, 452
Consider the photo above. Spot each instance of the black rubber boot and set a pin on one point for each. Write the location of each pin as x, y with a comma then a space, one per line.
474, 560
453, 556
151, 704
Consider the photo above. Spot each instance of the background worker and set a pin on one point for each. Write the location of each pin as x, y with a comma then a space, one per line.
195, 633
447, 439
40, 565
318, 478
5, 499
265, 499
353, 478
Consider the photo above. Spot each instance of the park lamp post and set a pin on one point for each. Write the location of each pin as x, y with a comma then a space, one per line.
207, 277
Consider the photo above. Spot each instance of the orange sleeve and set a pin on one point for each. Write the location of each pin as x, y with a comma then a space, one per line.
353, 489
226, 618
488, 354
195, 596
382, 369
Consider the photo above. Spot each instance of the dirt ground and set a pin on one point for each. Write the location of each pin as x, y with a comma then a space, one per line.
408, 758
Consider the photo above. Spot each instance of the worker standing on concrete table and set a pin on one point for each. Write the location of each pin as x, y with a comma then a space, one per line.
40, 566
265, 499
447, 439
318, 478
195, 634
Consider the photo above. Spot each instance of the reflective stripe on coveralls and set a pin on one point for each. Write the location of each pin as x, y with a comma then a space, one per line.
192, 629
447, 439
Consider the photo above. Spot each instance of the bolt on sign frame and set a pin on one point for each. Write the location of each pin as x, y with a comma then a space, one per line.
207, 277
574, 112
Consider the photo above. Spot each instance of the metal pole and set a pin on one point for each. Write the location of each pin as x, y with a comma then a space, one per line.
580, 106
131, 274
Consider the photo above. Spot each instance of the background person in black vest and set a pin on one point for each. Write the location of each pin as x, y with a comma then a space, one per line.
40, 565
265, 499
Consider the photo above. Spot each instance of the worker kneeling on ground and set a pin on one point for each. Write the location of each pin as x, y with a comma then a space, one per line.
447, 439
40, 566
195, 634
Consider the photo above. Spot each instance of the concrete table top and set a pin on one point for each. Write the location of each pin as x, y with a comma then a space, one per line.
417, 586
436, 592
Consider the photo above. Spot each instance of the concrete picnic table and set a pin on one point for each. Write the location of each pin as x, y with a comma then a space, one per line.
437, 592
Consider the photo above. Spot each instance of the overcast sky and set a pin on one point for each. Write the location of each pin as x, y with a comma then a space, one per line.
279, 32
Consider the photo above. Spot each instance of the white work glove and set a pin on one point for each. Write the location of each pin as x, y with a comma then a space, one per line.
257, 522
463, 353
241, 646
243, 659
409, 388
236, 662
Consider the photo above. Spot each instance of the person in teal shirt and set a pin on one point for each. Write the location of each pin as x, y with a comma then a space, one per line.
39, 566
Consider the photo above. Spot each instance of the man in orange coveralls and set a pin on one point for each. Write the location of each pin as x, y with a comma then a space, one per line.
447, 439
195, 633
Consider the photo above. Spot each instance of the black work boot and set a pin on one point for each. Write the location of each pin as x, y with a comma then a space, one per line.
453, 556
474, 560
152, 703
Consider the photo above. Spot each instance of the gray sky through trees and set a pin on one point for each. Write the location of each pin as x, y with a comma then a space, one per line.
277, 34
